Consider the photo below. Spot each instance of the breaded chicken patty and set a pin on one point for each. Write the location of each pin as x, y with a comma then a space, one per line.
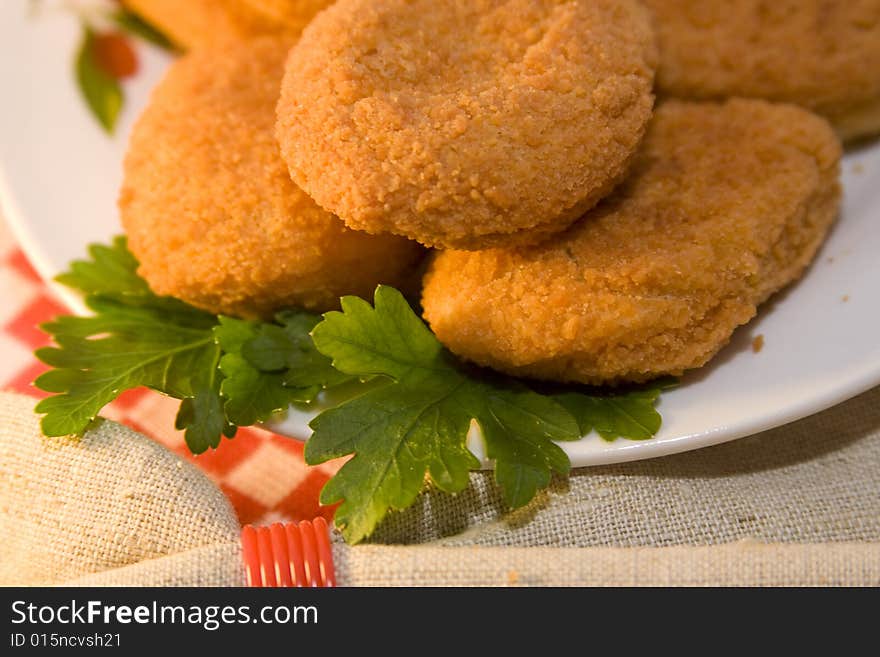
210, 211
466, 123
727, 204
201, 23
822, 54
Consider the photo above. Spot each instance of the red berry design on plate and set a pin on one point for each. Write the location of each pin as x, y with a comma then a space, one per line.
114, 54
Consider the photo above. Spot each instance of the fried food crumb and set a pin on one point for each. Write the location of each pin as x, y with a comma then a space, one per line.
758, 343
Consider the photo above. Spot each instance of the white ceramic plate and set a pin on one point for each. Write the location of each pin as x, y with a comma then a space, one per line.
59, 175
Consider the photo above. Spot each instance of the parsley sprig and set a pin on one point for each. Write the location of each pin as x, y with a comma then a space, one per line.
226, 372
409, 425
418, 423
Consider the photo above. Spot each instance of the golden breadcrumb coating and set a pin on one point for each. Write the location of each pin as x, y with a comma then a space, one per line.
204, 23
210, 211
466, 123
822, 54
726, 205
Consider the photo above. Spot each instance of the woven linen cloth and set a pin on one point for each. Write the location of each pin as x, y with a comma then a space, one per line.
794, 506
74, 507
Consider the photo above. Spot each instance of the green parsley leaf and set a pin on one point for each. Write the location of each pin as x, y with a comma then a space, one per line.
269, 366
110, 270
518, 428
226, 372
251, 395
202, 419
417, 424
627, 413
288, 346
137, 26
119, 348
397, 436
102, 92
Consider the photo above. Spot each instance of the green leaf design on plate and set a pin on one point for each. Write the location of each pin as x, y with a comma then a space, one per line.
137, 26
102, 93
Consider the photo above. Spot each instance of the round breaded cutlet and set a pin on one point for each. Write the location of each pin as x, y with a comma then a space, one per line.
726, 205
466, 123
206, 23
210, 211
821, 54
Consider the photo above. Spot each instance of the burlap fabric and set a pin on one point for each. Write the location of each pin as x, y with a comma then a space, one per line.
70, 508
794, 506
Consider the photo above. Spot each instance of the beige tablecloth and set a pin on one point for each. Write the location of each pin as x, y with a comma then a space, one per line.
798, 505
